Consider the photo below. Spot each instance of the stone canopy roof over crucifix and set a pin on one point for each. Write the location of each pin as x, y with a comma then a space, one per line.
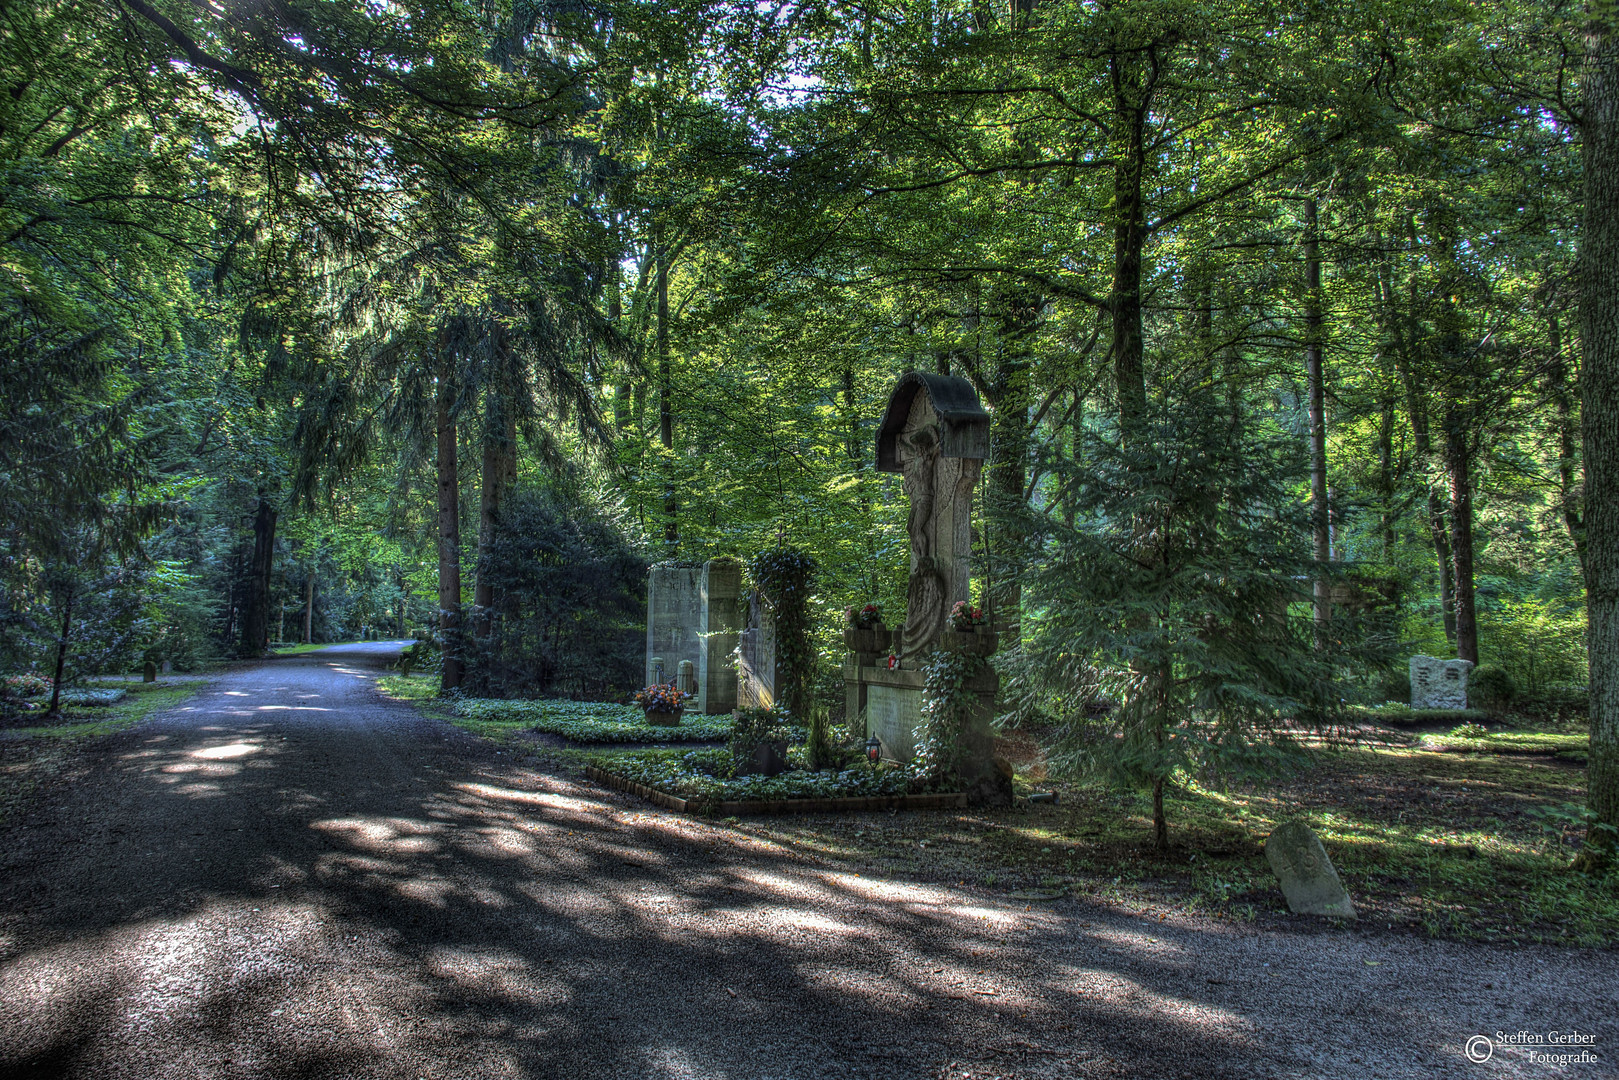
963, 423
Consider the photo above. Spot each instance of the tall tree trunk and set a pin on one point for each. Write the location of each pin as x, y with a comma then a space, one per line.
309, 609
1320, 507
499, 460
1011, 403
666, 403
61, 653
256, 615
449, 537
1568, 451
1129, 238
1402, 325
1599, 410
1459, 466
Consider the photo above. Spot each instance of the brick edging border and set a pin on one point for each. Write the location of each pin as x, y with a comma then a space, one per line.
946, 801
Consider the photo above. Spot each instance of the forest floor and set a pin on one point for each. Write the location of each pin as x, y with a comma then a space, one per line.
289, 875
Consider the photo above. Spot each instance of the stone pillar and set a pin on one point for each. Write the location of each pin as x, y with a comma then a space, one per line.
721, 604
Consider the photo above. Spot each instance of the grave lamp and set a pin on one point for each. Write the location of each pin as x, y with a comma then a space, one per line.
874, 750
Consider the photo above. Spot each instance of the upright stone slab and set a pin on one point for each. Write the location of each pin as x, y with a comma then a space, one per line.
673, 619
892, 716
1308, 880
721, 601
756, 653
1439, 684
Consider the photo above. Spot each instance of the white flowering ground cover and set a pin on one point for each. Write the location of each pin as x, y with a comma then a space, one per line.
594, 721
706, 774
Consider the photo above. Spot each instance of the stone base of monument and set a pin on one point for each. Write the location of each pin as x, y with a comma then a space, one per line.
891, 700
663, 717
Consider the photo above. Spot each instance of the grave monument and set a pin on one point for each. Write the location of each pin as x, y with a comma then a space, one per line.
693, 619
1439, 684
936, 435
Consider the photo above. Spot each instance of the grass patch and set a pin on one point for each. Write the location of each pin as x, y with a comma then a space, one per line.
1508, 742
592, 721
1473, 847
294, 650
31, 755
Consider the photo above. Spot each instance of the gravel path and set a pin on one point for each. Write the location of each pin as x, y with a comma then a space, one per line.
291, 876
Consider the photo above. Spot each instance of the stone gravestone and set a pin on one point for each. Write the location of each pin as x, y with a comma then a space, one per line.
692, 621
1308, 880
1439, 684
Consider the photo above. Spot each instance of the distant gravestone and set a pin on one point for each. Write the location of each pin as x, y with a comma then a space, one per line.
1439, 684
1308, 880
149, 672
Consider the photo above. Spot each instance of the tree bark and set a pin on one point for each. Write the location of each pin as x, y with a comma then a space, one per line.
1568, 451
1131, 103
449, 537
1459, 466
256, 615
1422, 442
309, 609
61, 653
1320, 507
499, 458
1012, 400
666, 405
1599, 384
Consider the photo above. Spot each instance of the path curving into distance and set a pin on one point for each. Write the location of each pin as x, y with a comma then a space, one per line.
292, 876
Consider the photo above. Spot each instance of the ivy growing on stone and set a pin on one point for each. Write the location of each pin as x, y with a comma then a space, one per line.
785, 577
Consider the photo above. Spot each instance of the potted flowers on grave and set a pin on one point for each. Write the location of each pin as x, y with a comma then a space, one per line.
863, 629
969, 631
966, 618
662, 702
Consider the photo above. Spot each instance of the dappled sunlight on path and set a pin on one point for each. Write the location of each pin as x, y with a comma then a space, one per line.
257, 887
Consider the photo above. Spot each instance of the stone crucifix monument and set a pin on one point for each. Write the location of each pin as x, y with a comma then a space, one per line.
935, 433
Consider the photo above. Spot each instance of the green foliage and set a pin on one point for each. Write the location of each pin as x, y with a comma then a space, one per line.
1392, 686
1490, 687
590, 721
1394, 712
750, 727
947, 712
708, 775
785, 578
572, 606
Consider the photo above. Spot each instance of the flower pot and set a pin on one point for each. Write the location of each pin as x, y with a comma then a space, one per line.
876, 640
663, 717
979, 642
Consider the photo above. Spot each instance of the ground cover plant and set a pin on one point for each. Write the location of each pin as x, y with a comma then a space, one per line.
709, 775
592, 721
1466, 846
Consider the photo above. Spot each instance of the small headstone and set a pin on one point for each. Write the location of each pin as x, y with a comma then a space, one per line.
1439, 684
168, 666
768, 759
149, 672
1308, 880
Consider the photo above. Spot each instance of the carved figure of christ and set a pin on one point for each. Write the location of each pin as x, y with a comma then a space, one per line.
940, 525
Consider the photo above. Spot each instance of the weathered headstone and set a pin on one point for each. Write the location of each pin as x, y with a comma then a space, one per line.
1439, 684
149, 672
892, 716
1308, 880
168, 666
693, 619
